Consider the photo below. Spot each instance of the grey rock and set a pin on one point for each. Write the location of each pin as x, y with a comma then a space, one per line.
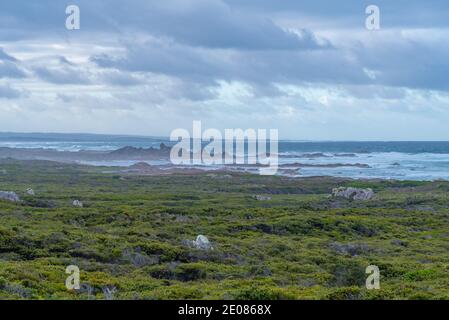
30, 192
399, 242
351, 249
261, 198
350, 193
139, 259
77, 203
9, 196
201, 243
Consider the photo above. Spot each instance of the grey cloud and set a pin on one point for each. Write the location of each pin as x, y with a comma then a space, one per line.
6, 57
406, 63
213, 24
205, 23
65, 97
10, 70
207, 40
8, 66
391, 60
8, 92
167, 58
119, 78
165, 90
261, 68
64, 60
62, 75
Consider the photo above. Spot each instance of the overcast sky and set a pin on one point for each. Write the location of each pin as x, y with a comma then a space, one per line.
308, 68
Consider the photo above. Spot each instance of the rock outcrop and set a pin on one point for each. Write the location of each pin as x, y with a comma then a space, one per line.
353, 193
140, 166
77, 203
9, 196
30, 192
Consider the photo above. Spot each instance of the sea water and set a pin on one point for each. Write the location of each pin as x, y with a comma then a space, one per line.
404, 160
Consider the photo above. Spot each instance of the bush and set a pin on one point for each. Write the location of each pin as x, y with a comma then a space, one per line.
349, 293
259, 293
420, 275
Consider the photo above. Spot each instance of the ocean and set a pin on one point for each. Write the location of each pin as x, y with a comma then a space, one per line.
403, 160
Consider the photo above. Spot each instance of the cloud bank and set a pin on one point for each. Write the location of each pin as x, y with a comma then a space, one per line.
309, 68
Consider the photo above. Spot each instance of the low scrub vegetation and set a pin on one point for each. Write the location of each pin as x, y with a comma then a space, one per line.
129, 238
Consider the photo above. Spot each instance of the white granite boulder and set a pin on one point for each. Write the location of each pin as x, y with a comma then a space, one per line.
77, 203
201, 243
353, 193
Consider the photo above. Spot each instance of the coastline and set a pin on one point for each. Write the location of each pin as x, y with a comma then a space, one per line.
422, 166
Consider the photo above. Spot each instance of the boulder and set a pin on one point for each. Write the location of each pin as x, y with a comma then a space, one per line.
261, 198
353, 193
9, 196
30, 192
201, 243
162, 146
77, 203
352, 249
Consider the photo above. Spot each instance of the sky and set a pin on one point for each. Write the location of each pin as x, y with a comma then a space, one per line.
309, 68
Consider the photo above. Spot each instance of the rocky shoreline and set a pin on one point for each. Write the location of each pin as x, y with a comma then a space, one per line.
142, 158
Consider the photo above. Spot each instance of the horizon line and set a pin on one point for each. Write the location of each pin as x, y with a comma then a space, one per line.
168, 138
